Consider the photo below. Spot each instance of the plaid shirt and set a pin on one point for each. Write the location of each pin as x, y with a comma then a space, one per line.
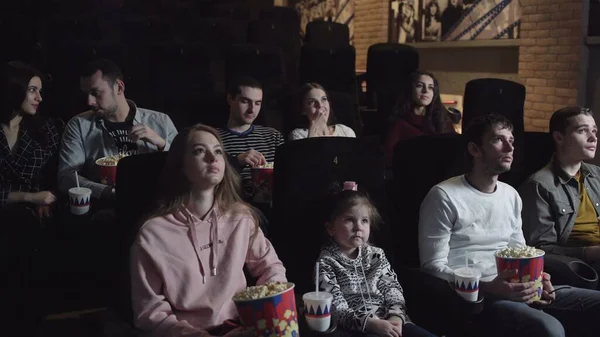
21, 171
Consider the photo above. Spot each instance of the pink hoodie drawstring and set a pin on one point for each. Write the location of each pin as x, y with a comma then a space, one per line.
214, 238
214, 250
192, 226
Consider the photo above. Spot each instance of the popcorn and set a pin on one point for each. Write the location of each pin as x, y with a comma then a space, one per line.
267, 165
518, 252
256, 292
111, 160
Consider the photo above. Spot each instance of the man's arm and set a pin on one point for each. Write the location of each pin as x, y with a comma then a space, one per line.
517, 238
436, 220
539, 222
279, 140
171, 133
234, 163
71, 159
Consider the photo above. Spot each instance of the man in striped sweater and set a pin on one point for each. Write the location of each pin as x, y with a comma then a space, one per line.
252, 145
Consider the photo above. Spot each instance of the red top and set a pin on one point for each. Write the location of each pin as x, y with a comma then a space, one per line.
409, 126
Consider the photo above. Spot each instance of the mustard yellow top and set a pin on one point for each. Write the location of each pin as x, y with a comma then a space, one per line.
586, 231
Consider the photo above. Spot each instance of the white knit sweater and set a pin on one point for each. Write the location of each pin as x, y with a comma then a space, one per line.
457, 220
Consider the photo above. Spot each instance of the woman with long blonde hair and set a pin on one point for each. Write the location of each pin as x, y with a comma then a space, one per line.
188, 258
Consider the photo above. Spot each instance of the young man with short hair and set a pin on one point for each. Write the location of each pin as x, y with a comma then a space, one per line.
561, 202
252, 145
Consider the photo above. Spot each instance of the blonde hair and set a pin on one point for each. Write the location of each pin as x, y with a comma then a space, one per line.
345, 200
175, 187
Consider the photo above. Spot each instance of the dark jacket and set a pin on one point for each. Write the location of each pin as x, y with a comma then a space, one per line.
550, 205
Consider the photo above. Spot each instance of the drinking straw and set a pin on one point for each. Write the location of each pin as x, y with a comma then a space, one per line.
317, 278
77, 179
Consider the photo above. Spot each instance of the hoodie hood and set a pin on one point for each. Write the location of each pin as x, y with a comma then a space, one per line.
334, 249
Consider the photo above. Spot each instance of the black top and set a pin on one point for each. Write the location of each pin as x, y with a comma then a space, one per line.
119, 131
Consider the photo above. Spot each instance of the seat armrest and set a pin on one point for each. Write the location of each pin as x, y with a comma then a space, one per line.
571, 271
455, 115
433, 303
446, 289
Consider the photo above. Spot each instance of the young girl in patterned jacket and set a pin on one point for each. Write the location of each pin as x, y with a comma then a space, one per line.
367, 298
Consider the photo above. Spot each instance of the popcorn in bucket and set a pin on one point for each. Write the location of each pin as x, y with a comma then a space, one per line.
262, 181
269, 308
108, 168
528, 261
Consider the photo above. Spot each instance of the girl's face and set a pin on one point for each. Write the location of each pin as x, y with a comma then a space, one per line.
423, 90
33, 96
407, 11
315, 103
351, 229
432, 10
204, 161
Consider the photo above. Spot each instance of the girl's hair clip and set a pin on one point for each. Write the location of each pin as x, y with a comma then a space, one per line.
350, 186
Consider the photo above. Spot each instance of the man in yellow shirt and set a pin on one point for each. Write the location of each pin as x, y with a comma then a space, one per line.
561, 202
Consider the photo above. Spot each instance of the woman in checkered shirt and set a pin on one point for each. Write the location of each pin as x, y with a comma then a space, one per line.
27, 145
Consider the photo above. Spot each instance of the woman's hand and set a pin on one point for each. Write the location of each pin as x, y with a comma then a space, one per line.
43, 211
43, 198
318, 127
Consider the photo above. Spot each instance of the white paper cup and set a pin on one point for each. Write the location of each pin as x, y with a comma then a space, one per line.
317, 308
79, 198
466, 283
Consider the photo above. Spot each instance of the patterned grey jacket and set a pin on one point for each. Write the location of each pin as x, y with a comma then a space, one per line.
362, 288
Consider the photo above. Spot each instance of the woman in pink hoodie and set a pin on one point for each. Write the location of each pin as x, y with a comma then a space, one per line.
188, 258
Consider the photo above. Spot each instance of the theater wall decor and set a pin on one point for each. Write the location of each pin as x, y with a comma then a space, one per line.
453, 20
341, 11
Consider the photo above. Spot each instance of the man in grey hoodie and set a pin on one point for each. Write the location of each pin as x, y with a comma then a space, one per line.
113, 126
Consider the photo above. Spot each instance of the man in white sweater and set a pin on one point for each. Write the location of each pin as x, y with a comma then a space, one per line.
475, 215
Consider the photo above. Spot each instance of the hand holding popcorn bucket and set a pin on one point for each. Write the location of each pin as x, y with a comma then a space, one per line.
270, 309
527, 261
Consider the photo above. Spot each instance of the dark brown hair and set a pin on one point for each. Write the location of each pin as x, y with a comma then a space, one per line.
15, 83
560, 118
480, 126
235, 87
110, 70
301, 121
435, 113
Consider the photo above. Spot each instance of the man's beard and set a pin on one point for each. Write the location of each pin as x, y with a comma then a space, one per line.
108, 112
499, 169
495, 168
